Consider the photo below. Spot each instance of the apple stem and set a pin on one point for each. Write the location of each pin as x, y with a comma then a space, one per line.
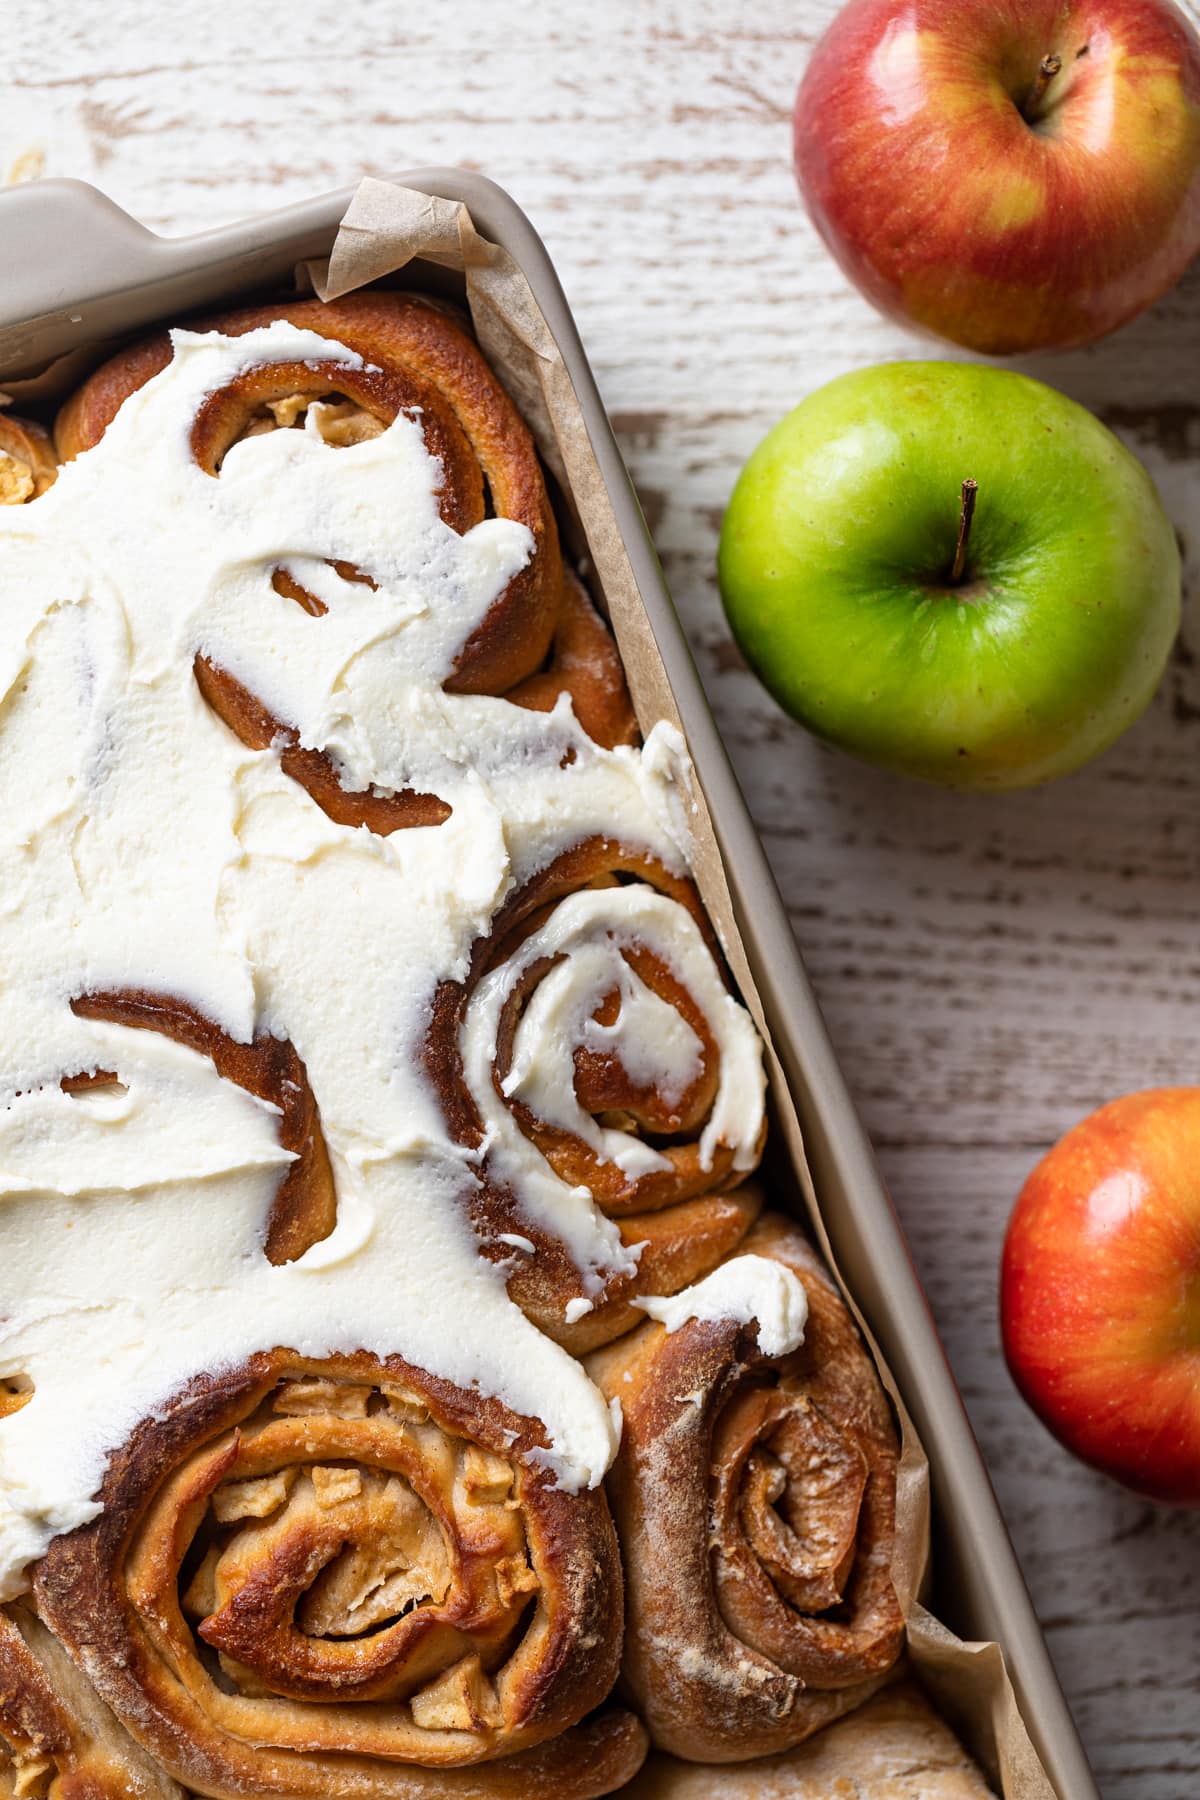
1048, 68
970, 491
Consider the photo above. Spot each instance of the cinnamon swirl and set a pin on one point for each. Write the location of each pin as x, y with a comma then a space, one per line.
596, 1052
755, 1501
540, 637
341, 1577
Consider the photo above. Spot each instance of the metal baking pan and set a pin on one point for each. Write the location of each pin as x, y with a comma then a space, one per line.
78, 270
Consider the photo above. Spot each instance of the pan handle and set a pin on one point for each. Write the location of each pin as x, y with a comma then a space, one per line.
51, 230
79, 271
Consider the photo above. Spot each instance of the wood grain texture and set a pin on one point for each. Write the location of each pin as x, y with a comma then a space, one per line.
990, 969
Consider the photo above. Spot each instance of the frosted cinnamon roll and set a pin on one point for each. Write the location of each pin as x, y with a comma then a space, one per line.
594, 1056
27, 462
541, 636
755, 1501
346, 1577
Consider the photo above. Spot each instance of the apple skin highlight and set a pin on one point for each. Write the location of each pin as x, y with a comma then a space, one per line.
1100, 1292
956, 213
840, 534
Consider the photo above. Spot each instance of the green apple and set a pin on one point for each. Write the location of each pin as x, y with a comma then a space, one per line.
838, 572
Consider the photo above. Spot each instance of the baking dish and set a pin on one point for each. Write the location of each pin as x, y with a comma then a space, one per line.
117, 277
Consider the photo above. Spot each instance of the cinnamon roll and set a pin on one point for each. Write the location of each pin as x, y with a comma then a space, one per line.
595, 1054
755, 1502
304, 1207
57, 1737
541, 636
895, 1747
27, 462
346, 1577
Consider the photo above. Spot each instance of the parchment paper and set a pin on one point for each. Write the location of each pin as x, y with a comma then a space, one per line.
384, 228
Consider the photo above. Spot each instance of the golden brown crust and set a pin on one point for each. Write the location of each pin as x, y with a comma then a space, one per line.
346, 1577
27, 462
58, 1741
685, 1214
87, 413
755, 1502
584, 662
893, 1748
678, 1245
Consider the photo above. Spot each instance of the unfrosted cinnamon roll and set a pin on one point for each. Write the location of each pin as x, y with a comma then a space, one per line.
58, 1740
594, 1051
895, 1747
755, 1502
345, 1577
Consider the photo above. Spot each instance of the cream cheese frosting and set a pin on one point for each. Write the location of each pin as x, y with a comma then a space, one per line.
143, 846
751, 1289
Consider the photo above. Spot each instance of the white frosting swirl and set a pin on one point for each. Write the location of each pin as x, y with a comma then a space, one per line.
584, 939
749, 1289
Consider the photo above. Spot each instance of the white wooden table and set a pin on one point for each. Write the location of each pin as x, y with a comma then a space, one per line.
992, 969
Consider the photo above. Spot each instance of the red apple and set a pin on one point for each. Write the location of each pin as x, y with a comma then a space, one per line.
1009, 174
1100, 1292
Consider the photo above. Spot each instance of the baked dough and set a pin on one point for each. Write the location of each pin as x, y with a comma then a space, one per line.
893, 1748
